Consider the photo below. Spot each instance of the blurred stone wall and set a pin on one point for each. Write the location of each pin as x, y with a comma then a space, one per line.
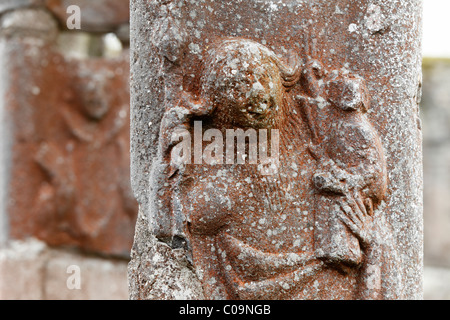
67, 213
435, 114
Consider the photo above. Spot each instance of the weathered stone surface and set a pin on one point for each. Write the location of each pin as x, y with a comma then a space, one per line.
155, 262
67, 147
17, 24
340, 218
64, 152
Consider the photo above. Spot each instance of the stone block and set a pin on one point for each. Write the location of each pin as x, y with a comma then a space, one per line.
30, 270
436, 283
7, 5
340, 216
22, 270
99, 279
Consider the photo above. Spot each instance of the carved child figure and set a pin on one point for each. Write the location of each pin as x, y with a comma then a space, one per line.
350, 157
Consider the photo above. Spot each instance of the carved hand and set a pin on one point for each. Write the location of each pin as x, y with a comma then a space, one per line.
355, 216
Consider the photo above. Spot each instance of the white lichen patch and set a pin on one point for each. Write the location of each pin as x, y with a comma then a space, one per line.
352, 27
375, 20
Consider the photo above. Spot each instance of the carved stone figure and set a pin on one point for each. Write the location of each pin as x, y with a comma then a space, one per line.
350, 156
238, 243
217, 88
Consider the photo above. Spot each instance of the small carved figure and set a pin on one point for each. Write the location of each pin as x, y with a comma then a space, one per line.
350, 157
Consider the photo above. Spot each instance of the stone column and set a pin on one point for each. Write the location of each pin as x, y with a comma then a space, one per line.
336, 211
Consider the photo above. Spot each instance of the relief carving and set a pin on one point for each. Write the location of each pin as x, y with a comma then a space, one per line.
87, 162
253, 235
351, 164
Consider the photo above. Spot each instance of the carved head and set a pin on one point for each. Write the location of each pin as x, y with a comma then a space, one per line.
349, 93
246, 83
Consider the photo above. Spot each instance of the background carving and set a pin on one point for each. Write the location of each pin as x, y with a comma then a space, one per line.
65, 194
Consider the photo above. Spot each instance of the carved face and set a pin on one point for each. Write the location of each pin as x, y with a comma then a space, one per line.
256, 102
245, 86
